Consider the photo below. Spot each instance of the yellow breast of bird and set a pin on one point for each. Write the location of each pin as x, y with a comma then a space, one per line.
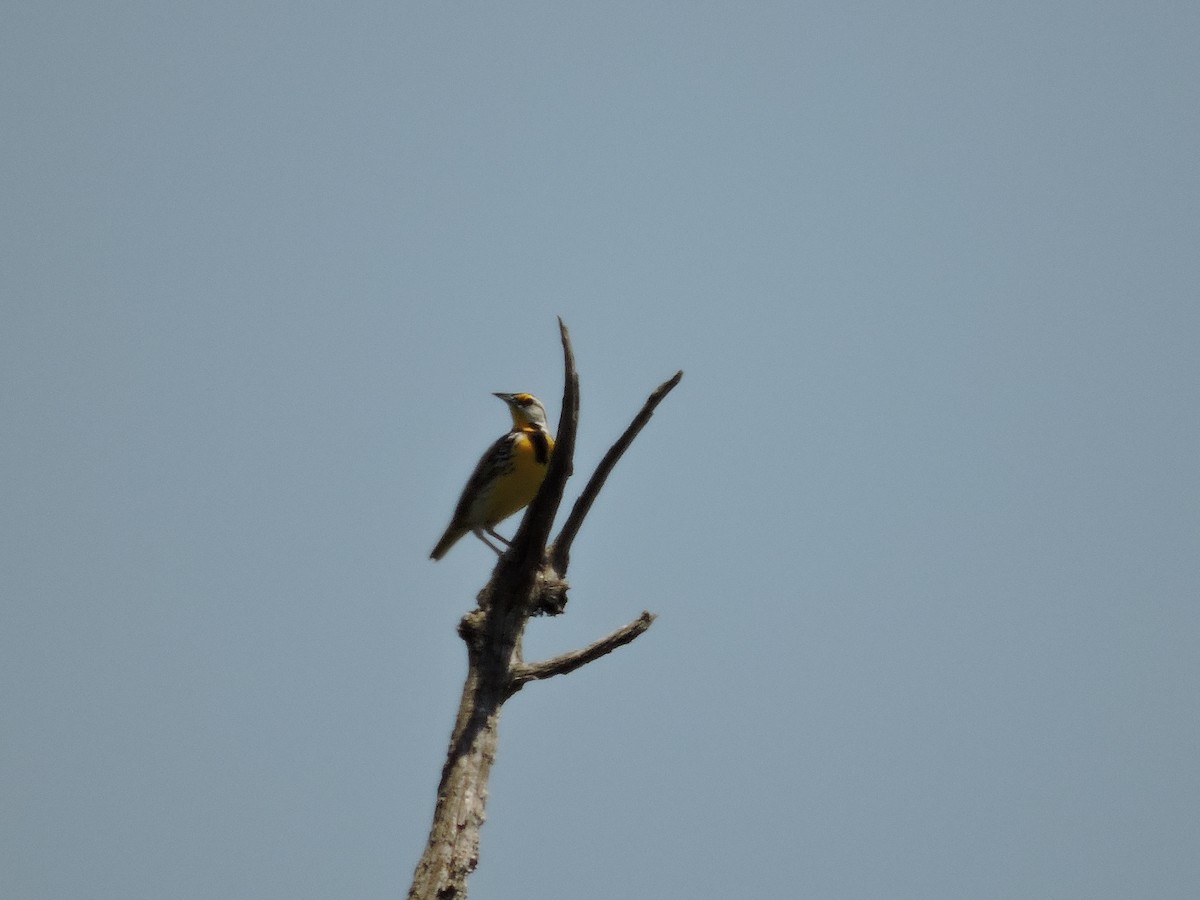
523, 474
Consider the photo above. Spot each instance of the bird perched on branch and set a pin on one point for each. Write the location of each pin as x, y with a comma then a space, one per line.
507, 477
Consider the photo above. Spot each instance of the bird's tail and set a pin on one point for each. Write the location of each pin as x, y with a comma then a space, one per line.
449, 539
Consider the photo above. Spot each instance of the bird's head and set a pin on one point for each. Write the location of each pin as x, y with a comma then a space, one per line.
526, 410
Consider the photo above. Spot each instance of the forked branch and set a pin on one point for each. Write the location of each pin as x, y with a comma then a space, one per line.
525, 582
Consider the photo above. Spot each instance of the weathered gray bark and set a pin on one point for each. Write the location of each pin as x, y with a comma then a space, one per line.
528, 580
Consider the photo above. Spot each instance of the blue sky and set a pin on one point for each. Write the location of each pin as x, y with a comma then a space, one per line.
921, 524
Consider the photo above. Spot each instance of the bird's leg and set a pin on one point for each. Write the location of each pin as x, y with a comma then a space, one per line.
479, 534
498, 536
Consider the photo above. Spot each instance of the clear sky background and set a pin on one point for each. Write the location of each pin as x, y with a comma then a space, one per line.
921, 523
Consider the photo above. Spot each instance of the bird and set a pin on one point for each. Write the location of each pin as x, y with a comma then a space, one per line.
507, 477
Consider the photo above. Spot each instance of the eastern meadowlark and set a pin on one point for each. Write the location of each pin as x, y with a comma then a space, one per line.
507, 477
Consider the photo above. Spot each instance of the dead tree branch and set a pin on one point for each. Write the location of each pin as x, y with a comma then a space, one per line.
561, 552
526, 581
569, 662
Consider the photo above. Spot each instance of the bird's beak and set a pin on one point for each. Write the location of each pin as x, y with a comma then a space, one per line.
507, 398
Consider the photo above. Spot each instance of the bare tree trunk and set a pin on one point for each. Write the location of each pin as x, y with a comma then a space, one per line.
528, 580
453, 847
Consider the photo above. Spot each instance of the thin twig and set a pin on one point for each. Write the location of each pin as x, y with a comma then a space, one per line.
561, 554
569, 662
